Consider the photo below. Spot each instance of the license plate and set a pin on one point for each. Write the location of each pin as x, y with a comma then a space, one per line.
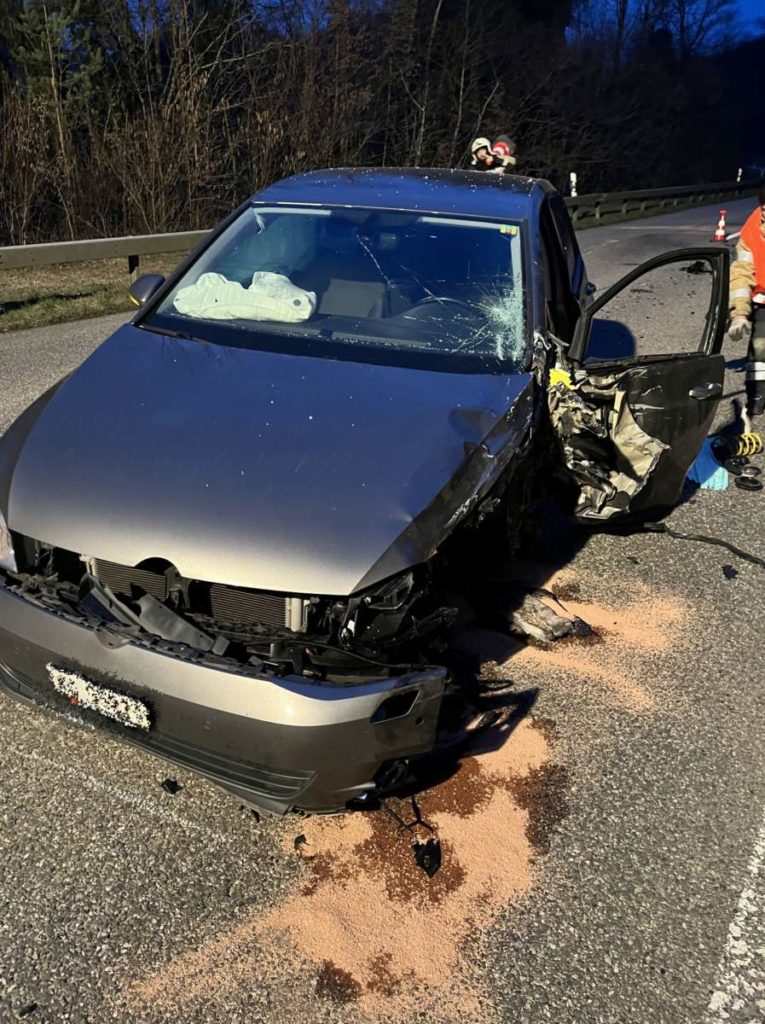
82, 692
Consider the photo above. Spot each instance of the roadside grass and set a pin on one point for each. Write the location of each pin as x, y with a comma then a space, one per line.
39, 296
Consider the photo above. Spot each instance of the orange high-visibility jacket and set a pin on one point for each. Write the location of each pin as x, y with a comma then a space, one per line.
747, 272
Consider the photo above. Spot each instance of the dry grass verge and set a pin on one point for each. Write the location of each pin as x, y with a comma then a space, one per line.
39, 296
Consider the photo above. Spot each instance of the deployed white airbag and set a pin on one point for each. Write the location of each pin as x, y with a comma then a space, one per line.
269, 297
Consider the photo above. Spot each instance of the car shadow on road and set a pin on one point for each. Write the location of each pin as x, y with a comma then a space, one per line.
491, 727
484, 709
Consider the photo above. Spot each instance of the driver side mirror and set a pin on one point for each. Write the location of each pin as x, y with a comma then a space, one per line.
142, 289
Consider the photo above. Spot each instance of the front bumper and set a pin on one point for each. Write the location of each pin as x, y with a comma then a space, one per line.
280, 743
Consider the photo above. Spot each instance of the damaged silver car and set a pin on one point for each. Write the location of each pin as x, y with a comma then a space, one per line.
235, 535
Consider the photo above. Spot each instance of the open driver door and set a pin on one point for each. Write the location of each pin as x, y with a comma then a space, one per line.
634, 396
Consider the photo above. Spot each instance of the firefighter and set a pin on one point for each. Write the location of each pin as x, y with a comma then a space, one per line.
481, 156
747, 304
493, 158
505, 148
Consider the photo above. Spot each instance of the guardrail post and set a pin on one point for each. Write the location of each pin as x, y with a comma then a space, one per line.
133, 264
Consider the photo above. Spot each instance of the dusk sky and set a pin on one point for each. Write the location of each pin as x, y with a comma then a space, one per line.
751, 11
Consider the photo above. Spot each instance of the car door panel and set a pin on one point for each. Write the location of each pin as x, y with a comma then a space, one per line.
631, 428
658, 394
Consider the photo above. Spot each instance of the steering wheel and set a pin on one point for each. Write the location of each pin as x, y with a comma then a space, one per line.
430, 299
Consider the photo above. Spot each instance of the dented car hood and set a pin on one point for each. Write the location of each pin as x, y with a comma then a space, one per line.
258, 469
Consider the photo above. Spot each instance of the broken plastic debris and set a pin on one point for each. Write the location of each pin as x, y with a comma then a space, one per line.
541, 617
25, 1011
427, 856
299, 841
729, 572
172, 786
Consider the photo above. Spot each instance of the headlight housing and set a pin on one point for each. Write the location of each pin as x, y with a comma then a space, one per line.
392, 595
7, 555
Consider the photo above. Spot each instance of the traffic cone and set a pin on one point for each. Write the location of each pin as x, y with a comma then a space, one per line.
719, 235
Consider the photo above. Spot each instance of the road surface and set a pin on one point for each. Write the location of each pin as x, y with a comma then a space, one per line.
639, 900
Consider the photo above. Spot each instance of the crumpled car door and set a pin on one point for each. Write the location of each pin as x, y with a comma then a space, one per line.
630, 419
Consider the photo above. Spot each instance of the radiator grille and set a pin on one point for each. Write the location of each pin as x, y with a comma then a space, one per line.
245, 606
122, 578
229, 603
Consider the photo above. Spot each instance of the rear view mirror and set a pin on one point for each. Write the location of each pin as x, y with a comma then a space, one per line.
142, 289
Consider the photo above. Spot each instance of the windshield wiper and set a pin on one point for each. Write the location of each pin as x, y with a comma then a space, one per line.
168, 332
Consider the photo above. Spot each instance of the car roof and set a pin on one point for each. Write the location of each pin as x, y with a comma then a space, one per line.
427, 190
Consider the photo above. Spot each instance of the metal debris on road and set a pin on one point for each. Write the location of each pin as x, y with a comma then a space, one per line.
748, 483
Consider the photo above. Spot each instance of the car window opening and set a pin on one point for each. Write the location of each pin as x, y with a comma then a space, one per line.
358, 279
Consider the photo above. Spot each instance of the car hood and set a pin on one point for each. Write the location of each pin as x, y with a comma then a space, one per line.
258, 469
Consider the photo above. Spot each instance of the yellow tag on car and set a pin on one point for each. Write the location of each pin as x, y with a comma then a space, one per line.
558, 376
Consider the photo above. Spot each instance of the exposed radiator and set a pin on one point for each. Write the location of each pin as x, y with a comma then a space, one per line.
122, 578
248, 606
230, 603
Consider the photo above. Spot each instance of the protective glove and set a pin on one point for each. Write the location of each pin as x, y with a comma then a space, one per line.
739, 329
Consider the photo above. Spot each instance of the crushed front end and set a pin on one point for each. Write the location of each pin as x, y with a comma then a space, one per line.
289, 702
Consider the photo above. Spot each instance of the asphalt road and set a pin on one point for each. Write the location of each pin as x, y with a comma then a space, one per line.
644, 904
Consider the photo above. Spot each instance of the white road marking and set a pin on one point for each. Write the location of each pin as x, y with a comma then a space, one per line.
740, 987
139, 803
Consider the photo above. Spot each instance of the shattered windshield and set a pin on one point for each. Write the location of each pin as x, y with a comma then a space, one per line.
356, 279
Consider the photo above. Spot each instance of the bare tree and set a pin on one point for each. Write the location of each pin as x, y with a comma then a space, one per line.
144, 115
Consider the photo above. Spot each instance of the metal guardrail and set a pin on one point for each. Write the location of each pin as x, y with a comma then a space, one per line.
595, 205
606, 204
16, 257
